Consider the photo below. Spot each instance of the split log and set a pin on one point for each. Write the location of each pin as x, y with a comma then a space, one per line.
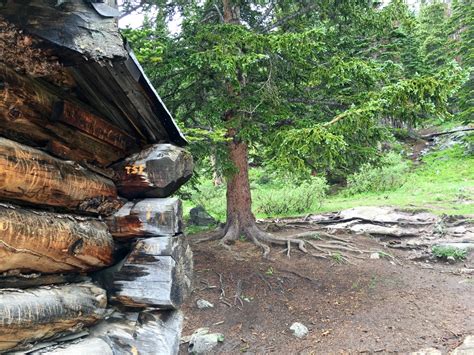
30, 315
157, 273
152, 332
52, 243
157, 171
32, 176
149, 217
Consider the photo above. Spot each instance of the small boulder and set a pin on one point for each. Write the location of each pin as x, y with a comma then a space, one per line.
375, 256
201, 304
198, 216
299, 330
202, 342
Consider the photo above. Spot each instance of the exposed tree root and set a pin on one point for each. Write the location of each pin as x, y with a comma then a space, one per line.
322, 244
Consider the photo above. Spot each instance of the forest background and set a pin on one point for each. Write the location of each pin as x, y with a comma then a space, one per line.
296, 107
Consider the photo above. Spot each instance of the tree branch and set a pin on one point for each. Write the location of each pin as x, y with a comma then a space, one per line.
290, 17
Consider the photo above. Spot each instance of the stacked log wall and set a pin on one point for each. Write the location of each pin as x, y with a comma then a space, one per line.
53, 232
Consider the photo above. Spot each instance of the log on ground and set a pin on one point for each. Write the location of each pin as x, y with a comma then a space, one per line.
149, 217
52, 243
157, 273
157, 171
31, 176
30, 315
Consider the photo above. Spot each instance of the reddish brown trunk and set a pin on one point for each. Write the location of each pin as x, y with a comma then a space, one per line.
239, 200
240, 219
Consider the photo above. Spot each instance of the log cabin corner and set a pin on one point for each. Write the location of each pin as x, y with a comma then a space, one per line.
92, 253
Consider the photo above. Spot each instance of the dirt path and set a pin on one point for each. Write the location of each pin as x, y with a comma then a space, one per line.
372, 306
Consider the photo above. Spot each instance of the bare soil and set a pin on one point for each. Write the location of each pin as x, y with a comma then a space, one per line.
366, 306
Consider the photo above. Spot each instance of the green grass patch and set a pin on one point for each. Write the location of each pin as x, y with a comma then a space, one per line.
445, 252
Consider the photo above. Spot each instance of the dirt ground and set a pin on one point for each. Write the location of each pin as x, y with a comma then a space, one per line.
366, 306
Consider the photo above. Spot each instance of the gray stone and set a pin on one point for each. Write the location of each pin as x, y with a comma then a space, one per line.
375, 256
466, 348
299, 330
201, 304
203, 342
198, 216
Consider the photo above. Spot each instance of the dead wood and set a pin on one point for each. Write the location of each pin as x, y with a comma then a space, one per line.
52, 243
30, 315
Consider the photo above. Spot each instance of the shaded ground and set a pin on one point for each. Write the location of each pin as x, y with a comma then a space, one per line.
369, 306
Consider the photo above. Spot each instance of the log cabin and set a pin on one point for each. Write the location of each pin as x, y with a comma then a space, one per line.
93, 258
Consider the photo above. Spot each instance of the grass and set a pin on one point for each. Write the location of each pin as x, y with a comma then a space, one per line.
445, 252
443, 183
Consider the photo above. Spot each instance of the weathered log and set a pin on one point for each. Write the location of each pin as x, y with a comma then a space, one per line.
152, 332
149, 217
93, 125
52, 243
32, 176
157, 171
23, 281
30, 315
157, 273
32, 110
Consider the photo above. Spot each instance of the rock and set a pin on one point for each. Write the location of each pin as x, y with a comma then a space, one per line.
199, 217
299, 330
202, 342
427, 351
201, 304
466, 348
375, 256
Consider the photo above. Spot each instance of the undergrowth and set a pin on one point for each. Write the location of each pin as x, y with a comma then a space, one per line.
443, 182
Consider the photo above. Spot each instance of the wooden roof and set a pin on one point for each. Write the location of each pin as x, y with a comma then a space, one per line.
103, 74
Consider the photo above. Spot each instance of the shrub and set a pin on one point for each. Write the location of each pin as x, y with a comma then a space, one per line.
389, 175
444, 252
290, 197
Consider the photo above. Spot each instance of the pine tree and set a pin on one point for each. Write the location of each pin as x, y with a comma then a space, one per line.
462, 32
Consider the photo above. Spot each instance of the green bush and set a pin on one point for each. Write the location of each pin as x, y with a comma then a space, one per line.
389, 175
443, 252
286, 197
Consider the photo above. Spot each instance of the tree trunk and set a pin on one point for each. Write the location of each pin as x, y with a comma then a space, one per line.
239, 200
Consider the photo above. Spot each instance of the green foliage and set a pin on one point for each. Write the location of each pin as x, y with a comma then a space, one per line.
389, 175
445, 252
290, 197
441, 184
462, 32
309, 86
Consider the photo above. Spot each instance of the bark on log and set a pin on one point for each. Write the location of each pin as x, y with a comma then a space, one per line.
157, 273
153, 332
52, 243
29, 110
157, 171
30, 315
149, 217
32, 176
